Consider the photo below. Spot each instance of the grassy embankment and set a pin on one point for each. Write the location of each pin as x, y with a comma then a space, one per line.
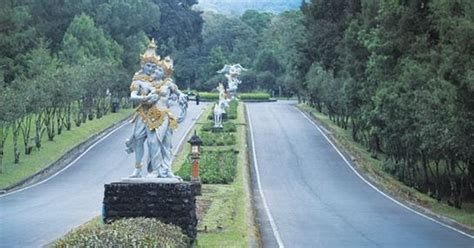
374, 171
224, 209
51, 150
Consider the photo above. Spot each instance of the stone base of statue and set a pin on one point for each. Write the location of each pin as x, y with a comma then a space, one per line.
167, 199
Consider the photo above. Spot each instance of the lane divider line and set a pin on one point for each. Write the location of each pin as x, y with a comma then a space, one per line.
67, 166
375, 188
276, 234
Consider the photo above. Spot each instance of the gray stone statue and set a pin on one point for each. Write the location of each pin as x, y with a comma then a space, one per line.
154, 122
232, 75
220, 107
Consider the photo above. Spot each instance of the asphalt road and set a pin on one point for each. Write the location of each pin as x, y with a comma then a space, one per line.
311, 197
41, 214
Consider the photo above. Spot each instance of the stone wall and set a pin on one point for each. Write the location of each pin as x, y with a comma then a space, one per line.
173, 203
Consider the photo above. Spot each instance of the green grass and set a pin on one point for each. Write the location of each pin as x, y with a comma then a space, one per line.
374, 171
51, 150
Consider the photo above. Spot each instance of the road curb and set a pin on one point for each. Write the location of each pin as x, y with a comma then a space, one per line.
453, 224
62, 161
255, 239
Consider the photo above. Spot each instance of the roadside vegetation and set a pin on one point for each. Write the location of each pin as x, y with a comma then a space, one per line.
255, 96
51, 151
66, 63
398, 76
374, 169
224, 211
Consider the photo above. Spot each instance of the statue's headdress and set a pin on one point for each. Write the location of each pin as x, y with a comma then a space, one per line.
150, 57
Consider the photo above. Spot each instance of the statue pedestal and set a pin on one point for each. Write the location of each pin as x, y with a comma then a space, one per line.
171, 201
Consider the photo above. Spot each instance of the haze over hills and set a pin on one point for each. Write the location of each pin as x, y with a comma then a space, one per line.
240, 6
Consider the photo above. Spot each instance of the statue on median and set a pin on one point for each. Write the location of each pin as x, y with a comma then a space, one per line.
220, 107
232, 75
154, 122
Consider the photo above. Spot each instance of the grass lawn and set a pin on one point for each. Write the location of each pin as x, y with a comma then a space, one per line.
373, 169
52, 150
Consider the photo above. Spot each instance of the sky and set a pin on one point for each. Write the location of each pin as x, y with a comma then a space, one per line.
239, 6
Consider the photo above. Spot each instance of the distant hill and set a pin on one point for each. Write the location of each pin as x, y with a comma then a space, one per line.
240, 6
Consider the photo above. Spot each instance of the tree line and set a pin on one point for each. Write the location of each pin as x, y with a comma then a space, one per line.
64, 62
400, 76
397, 74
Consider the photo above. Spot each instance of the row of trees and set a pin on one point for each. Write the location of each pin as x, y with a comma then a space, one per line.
64, 62
399, 75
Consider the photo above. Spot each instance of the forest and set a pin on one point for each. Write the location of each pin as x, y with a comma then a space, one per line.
398, 74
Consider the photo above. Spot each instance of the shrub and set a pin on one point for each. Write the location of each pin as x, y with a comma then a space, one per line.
209, 96
229, 127
217, 139
135, 232
232, 109
261, 96
216, 167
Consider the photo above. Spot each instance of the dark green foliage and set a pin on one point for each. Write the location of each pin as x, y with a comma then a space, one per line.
398, 75
215, 167
229, 127
135, 232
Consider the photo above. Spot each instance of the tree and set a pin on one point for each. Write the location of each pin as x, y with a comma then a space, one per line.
180, 27
16, 37
83, 41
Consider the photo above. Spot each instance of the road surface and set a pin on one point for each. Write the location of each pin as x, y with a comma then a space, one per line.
41, 214
312, 198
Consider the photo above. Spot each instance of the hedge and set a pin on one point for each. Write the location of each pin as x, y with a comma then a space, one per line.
229, 127
217, 139
134, 232
259, 96
215, 167
255, 96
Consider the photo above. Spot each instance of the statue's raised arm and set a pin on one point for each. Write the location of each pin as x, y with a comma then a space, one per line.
232, 75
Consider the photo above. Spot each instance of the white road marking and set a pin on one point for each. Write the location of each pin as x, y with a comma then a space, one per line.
85, 152
69, 165
187, 131
265, 205
375, 188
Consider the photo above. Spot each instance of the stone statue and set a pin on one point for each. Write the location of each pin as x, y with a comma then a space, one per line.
220, 107
154, 122
232, 74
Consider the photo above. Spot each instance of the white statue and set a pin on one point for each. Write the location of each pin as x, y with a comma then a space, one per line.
154, 122
220, 107
232, 74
